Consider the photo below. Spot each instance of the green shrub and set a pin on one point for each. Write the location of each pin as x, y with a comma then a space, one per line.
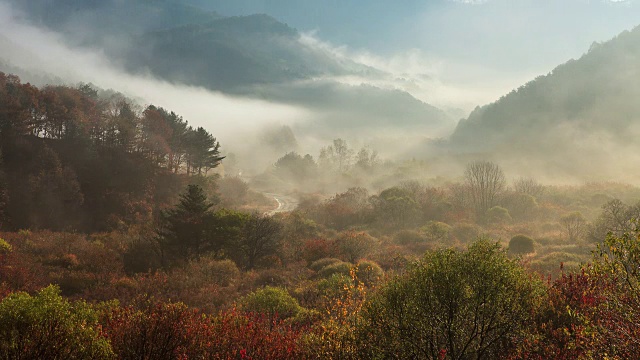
521, 244
5, 247
498, 215
334, 287
322, 263
343, 268
437, 231
272, 301
46, 326
369, 272
354, 245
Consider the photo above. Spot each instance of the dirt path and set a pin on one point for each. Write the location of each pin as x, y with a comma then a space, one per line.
285, 203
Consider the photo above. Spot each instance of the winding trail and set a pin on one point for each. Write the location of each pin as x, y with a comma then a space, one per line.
285, 203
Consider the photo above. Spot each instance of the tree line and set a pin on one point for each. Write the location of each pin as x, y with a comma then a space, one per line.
79, 158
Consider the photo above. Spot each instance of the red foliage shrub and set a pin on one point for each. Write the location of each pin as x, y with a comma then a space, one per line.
317, 249
173, 331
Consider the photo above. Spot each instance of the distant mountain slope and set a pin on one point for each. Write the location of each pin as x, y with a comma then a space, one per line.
232, 52
578, 112
598, 92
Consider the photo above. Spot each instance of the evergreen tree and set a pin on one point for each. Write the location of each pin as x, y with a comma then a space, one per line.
184, 231
203, 152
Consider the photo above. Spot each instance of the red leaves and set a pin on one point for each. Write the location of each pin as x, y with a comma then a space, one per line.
170, 331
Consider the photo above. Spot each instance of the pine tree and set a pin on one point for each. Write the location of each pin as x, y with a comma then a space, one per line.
184, 233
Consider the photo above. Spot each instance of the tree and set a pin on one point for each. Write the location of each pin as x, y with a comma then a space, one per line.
574, 224
337, 156
280, 139
185, 229
203, 151
452, 304
295, 167
617, 218
261, 237
529, 186
155, 135
346, 209
366, 159
486, 182
19, 103
4, 193
396, 207
53, 194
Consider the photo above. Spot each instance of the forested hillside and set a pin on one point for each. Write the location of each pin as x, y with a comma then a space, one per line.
74, 160
583, 109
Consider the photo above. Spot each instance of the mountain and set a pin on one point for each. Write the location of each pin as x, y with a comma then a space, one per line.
252, 56
233, 52
583, 116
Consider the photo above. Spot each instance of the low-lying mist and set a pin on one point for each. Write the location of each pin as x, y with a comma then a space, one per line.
378, 111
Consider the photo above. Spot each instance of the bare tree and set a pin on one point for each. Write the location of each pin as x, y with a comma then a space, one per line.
529, 186
485, 181
574, 224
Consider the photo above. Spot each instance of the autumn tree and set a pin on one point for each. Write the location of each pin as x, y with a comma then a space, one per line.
19, 104
155, 135
346, 209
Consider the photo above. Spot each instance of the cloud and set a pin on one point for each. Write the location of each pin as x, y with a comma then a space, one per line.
443, 83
